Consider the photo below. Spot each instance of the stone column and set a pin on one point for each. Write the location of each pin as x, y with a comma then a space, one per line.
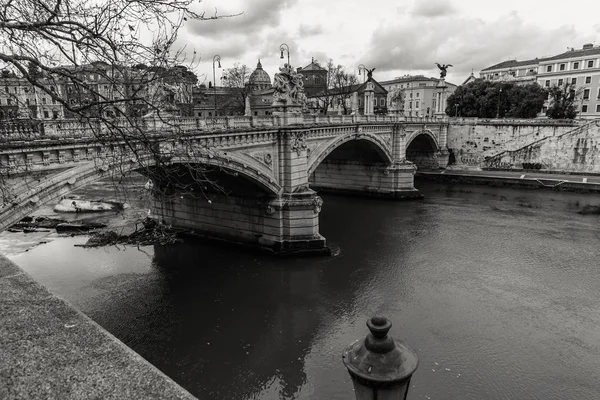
369, 96
355, 103
441, 98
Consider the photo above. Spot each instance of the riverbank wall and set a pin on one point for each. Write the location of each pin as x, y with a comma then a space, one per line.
563, 146
50, 350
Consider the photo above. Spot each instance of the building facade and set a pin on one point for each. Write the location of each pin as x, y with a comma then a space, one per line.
519, 72
579, 67
314, 78
96, 89
419, 94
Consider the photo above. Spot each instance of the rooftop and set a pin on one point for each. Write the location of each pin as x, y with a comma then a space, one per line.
589, 51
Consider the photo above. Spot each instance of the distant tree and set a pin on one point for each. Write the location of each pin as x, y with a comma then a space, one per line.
487, 99
338, 89
562, 101
237, 78
525, 101
344, 87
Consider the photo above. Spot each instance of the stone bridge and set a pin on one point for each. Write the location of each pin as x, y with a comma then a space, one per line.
268, 167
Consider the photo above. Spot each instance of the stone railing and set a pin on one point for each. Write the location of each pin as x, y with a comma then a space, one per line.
62, 129
512, 121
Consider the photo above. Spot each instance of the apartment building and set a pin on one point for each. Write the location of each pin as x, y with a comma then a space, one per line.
419, 94
580, 67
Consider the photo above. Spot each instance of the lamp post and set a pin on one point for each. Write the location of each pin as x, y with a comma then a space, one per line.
217, 59
380, 366
361, 67
455, 110
499, 98
287, 49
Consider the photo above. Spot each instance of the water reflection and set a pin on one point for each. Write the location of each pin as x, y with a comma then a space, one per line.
496, 289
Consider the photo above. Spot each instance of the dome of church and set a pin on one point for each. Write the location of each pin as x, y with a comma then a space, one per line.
259, 79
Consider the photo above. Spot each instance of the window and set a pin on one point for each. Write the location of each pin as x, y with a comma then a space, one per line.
586, 94
55, 114
590, 63
410, 104
584, 108
597, 108
588, 79
9, 102
560, 82
27, 101
374, 101
417, 94
573, 81
549, 68
43, 100
547, 84
382, 102
417, 104
199, 114
598, 97
576, 65
46, 114
562, 67
411, 95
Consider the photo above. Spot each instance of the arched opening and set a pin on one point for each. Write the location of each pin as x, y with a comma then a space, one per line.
422, 151
199, 181
354, 166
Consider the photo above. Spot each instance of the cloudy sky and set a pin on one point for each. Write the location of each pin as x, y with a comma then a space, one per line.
396, 37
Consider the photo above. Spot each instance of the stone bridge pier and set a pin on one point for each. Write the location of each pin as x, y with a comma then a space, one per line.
259, 212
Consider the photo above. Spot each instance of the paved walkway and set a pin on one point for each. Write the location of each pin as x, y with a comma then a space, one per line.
49, 350
567, 181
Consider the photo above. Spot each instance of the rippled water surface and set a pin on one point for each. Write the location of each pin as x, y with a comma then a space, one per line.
496, 289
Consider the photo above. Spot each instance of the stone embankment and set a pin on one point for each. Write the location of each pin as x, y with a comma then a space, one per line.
49, 350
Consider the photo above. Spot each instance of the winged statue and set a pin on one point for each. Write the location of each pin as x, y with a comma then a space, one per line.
443, 69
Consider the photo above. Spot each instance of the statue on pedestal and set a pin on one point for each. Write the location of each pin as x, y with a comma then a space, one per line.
443, 69
288, 88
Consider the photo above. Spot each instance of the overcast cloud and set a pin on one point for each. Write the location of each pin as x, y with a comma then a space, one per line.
396, 37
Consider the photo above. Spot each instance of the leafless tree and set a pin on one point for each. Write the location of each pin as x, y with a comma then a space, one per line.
116, 62
237, 79
340, 87
345, 85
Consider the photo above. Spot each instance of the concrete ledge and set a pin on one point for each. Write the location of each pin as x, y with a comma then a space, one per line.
50, 350
510, 181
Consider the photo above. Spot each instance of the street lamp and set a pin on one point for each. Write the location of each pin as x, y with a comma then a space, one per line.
455, 110
216, 58
380, 366
499, 98
361, 67
287, 49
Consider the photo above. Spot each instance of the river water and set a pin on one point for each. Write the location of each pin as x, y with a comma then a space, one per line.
496, 290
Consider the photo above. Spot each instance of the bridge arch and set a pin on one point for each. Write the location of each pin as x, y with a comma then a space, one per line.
422, 147
62, 183
376, 143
